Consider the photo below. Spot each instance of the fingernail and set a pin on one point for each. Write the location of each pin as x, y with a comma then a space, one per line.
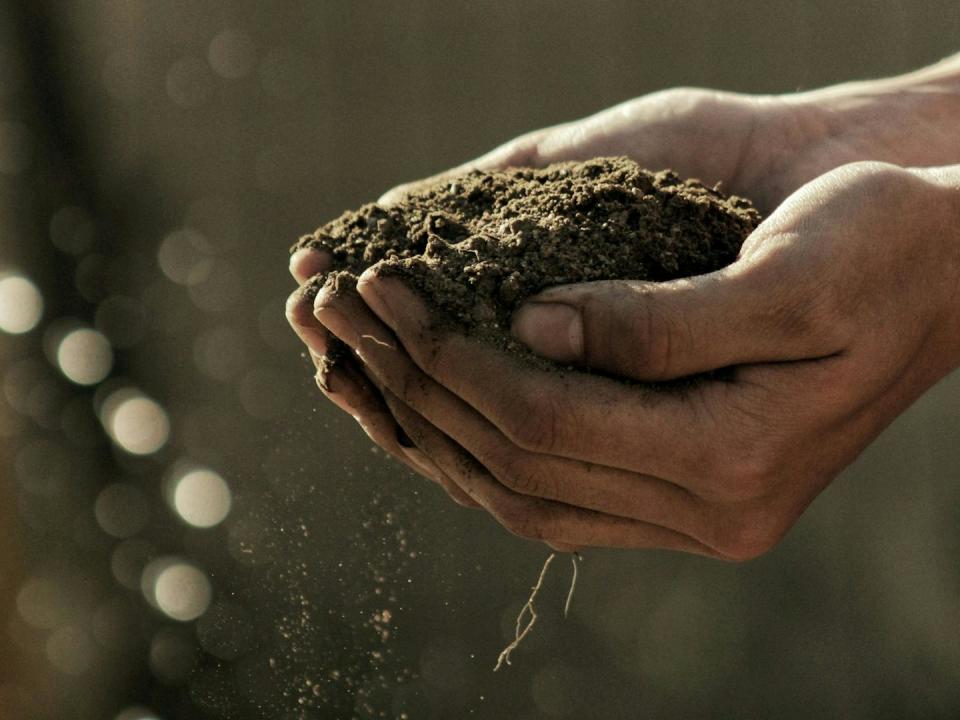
335, 321
554, 330
368, 288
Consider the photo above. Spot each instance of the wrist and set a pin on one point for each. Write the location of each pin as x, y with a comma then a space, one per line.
944, 191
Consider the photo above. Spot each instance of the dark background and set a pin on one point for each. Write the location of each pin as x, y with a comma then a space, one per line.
191, 143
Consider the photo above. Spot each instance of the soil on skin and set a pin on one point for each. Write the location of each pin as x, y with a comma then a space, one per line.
477, 246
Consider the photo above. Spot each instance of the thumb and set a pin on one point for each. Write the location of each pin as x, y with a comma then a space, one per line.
745, 313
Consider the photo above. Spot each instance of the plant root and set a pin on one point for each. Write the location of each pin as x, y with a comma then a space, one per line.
528, 609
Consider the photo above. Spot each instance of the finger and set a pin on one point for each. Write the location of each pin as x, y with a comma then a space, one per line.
572, 482
359, 397
307, 262
749, 312
575, 415
557, 524
300, 316
351, 391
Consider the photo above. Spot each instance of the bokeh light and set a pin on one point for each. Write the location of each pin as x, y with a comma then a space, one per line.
71, 650
136, 712
184, 257
85, 356
218, 353
128, 560
134, 422
189, 82
42, 602
177, 588
72, 230
173, 654
21, 304
122, 510
232, 54
202, 498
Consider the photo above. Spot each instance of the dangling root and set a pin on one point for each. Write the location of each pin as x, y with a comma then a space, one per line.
521, 633
573, 582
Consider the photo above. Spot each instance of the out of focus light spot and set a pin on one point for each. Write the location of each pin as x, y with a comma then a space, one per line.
274, 328
70, 650
263, 393
202, 498
219, 220
72, 230
43, 603
137, 713
85, 356
218, 353
184, 257
128, 560
284, 74
232, 54
121, 510
16, 148
122, 319
21, 304
189, 82
177, 588
219, 290
135, 422
173, 654
19, 380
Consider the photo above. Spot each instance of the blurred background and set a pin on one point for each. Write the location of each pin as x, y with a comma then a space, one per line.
188, 531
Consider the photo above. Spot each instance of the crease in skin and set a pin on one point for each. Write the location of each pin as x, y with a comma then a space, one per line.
477, 493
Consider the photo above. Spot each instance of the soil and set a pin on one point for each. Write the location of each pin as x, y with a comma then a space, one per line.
477, 246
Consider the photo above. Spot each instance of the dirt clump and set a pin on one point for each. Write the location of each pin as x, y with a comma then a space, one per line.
477, 246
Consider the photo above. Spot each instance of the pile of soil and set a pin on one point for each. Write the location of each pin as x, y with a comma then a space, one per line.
477, 246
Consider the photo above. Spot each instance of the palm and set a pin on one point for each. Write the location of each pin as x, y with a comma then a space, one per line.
751, 145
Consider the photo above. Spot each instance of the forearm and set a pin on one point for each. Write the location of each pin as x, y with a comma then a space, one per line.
908, 120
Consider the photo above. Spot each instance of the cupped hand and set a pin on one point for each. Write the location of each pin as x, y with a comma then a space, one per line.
841, 310
750, 144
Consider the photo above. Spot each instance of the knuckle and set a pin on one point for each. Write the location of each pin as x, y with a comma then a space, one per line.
749, 475
520, 477
409, 385
531, 424
657, 344
521, 518
651, 333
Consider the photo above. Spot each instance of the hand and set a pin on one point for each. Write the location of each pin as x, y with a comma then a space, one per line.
739, 140
762, 147
840, 312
